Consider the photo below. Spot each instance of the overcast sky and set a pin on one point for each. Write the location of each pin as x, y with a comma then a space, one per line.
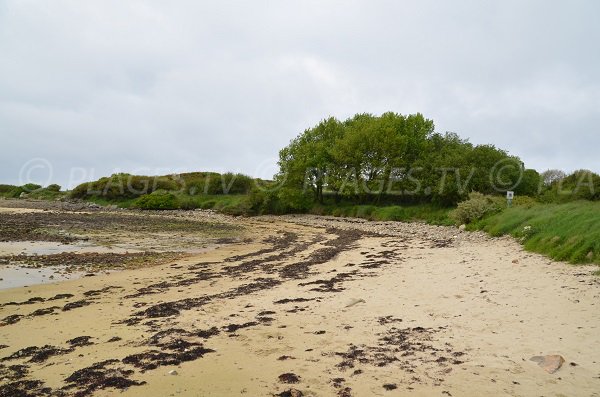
152, 87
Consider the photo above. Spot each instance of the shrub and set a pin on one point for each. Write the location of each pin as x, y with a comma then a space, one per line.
229, 183
125, 186
475, 208
365, 211
16, 191
31, 187
53, 188
265, 202
6, 188
524, 201
157, 201
295, 200
208, 205
187, 203
579, 185
239, 208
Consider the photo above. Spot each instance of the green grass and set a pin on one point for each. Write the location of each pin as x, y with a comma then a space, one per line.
428, 213
233, 204
567, 232
44, 194
238, 204
31, 192
121, 203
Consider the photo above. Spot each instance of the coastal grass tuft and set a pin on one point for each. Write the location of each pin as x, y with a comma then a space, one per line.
428, 213
567, 232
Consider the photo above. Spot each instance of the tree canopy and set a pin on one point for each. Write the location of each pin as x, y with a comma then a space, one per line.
398, 158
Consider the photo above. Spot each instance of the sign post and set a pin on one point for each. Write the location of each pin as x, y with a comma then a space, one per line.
510, 195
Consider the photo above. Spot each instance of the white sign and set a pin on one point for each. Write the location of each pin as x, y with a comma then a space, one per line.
510, 195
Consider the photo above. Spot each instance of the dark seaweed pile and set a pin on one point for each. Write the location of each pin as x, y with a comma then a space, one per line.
286, 259
66, 227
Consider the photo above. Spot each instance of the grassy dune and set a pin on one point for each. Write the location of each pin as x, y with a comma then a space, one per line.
233, 204
568, 232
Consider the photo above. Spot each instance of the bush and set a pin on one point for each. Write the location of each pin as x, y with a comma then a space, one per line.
4, 189
295, 200
265, 202
31, 187
524, 201
157, 201
579, 185
475, 208
125, 186
208, 205
187, 203
365, 211
229, 183
11, 191
53, 188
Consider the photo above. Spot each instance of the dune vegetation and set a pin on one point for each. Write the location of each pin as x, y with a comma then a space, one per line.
567, 232
388, 168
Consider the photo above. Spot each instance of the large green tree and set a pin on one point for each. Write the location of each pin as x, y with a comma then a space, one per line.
402, 158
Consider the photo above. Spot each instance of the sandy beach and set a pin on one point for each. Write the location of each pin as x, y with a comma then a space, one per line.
297, 305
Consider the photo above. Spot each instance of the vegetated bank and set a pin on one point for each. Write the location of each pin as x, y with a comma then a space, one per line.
387, 167
568, 232
32, 191
562, 221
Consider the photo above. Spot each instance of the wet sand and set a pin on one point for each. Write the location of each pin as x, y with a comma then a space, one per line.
323, 306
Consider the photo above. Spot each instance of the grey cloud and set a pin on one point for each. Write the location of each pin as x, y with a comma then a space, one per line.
167, 87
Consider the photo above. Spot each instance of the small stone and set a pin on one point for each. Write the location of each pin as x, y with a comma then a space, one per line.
173, 372
462, 227
515, 261
550, 363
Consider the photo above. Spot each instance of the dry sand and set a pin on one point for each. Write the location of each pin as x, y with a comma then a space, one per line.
342, 307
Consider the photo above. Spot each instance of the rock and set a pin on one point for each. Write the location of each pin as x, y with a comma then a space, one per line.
173, 372
355, 302
462, 227
550, 363
515, 261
